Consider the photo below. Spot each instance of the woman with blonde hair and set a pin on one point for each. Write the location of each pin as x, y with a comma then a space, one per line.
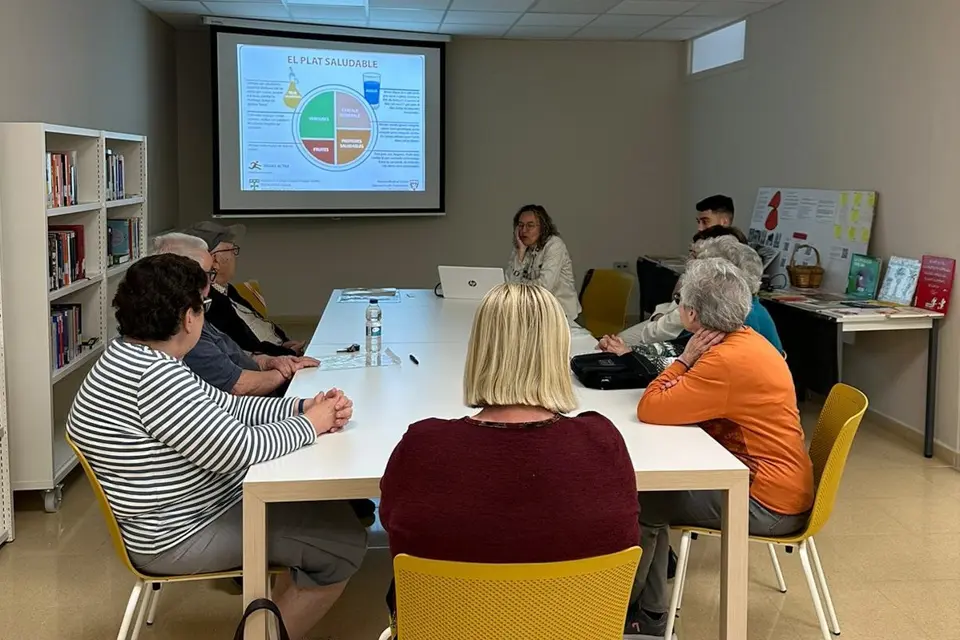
519, 481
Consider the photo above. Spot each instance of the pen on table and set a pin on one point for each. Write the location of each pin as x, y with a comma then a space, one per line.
414, 360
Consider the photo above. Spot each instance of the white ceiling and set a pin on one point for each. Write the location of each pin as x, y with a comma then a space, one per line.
522, 19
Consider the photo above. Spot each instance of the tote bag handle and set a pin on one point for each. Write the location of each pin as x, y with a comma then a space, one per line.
261, 604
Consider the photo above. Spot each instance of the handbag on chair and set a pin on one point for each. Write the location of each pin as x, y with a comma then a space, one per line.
262, 604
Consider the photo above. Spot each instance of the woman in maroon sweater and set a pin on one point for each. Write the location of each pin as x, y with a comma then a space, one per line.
519, 481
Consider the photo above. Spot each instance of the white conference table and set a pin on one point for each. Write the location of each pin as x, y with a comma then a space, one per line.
349, 464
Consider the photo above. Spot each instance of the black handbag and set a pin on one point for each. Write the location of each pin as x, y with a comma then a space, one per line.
634, 370
261, 604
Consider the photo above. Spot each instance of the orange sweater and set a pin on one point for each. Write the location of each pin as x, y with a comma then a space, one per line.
742, 394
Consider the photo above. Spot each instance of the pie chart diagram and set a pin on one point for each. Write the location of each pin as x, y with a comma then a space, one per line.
335, 128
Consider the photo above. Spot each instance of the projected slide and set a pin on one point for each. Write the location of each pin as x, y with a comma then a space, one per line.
330, 120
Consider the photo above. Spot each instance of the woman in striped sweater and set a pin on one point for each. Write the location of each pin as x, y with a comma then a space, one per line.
171, 451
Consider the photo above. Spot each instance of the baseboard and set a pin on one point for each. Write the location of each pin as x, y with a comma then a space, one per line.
911, 435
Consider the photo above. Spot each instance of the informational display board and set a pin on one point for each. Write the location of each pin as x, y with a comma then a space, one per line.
837, 223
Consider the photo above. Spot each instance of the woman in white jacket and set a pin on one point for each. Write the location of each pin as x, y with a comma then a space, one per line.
541, 257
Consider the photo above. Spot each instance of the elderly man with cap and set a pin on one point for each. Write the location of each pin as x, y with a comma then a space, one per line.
229, 311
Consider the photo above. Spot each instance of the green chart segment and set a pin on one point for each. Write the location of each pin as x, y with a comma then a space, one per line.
335, 128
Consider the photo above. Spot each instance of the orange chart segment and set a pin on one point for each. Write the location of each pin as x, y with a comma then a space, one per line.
351, 113
351, 144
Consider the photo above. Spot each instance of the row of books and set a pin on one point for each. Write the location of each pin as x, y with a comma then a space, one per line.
115, 176
123, 240
65, 331
65, 248
61, 175
925, 283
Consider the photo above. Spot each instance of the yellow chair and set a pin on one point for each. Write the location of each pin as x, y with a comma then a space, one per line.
604, 299
829, 449
250, 291
576, 599
145, 606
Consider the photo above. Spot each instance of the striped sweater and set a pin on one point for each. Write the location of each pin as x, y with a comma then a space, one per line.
170, 450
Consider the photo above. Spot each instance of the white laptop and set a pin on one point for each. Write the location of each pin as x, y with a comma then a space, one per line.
468, 283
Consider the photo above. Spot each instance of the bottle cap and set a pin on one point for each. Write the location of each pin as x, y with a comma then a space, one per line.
373, 301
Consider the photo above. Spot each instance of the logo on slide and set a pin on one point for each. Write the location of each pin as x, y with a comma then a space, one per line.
471, 283
335, 128
414, 184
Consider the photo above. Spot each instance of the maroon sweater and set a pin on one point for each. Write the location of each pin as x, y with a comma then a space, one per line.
470, 491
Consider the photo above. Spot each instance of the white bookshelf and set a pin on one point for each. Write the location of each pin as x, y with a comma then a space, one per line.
6, 496
39, 395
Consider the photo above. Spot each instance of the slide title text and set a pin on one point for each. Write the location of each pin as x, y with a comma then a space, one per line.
333, 62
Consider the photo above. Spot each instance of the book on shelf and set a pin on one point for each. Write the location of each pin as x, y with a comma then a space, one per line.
115, 176
123, 240
900, 281
864, 276
61, 175
66, 255
65, 331
935, 283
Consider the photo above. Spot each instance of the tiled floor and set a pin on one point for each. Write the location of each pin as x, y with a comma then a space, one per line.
891, 552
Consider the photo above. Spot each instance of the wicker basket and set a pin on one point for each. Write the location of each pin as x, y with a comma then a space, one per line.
805, 276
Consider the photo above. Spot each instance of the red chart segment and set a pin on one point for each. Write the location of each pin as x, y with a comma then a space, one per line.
322, 150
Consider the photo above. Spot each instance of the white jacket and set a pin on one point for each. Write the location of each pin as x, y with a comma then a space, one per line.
552, 269
666, 327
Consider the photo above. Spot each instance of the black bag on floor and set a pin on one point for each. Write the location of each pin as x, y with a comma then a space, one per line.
262, 604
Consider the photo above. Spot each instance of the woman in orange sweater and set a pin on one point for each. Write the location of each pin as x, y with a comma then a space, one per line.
736, 386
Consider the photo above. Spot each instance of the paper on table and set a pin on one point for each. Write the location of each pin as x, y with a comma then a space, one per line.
358, 360
388, 294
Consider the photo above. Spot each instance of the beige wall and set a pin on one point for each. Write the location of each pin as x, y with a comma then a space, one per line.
102, 64
849, 94
589, 130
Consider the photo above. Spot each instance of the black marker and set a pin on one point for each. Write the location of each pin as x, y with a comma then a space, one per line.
414, 360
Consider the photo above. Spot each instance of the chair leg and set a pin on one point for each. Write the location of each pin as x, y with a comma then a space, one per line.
153, 603
814, 592
132, 603
822, 579
678, 580
776, 567
142, 612
682, 572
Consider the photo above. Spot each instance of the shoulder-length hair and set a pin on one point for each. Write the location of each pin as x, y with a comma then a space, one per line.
519, 351
547, 228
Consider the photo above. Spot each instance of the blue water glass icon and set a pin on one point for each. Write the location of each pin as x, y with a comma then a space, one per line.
371, 89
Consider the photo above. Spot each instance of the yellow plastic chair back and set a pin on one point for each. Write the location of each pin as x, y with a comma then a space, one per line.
604, 300
114, 528
586, 598
830, 447
250, 291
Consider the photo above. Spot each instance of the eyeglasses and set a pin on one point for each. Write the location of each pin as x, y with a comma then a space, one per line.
207, 303
212, 274
529, 225
235, 251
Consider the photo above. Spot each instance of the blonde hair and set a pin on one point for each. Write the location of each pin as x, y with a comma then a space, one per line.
519, 351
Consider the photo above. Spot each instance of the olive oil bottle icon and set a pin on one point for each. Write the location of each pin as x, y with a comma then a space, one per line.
292, 96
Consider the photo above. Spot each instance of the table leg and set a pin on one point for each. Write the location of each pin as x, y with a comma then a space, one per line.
933, 352
254, 561
733, 562
839, 351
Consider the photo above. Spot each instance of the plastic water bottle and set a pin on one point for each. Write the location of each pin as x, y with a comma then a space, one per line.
374, 326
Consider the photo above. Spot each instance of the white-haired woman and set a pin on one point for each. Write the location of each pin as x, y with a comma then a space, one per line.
751, 266
519, 481
737, 387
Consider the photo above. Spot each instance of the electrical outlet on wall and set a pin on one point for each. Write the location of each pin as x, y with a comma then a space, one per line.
621, 266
